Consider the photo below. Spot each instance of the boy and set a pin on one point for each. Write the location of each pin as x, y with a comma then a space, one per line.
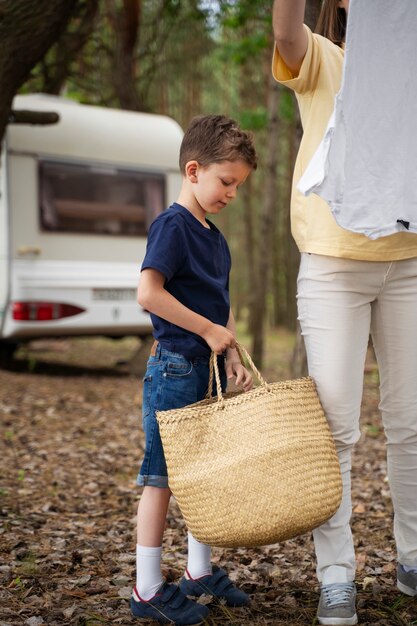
185, 286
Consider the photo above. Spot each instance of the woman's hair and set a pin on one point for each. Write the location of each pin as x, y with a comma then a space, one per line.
332, 22
216, 138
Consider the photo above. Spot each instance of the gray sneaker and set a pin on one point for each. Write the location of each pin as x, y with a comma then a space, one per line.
407, 581
337, 604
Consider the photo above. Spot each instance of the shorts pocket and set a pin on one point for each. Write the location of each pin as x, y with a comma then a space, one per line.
146, 396
180, 385
178, 368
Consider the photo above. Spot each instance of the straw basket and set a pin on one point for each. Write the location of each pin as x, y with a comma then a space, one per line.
254, 468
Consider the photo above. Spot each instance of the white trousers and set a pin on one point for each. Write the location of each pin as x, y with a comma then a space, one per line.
340, 302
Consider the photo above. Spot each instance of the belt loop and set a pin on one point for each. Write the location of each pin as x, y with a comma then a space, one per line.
155, 350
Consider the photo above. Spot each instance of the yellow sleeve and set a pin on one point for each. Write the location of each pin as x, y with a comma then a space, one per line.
307, 77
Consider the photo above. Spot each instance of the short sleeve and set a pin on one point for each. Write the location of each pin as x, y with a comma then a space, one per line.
306, 79
164, 249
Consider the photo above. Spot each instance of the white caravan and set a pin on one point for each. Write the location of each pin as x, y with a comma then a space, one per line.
76, 200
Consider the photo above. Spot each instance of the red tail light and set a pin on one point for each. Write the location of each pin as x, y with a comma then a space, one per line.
43, 311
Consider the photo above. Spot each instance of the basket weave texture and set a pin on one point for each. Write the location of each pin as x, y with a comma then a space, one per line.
252, 468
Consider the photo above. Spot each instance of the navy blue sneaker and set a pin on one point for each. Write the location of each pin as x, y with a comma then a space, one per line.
217, 584
168, 606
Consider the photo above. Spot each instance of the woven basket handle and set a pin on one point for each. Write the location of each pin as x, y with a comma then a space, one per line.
214, 371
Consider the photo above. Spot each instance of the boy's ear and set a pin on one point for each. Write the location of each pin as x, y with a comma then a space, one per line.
191, 170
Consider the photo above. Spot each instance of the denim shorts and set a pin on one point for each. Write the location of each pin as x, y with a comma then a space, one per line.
171, 382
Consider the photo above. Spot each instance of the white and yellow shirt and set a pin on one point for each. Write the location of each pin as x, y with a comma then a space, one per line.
313, 226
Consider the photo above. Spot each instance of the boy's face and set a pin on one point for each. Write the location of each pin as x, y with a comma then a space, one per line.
216, 185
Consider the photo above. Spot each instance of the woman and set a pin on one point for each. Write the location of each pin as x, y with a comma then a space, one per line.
350, 286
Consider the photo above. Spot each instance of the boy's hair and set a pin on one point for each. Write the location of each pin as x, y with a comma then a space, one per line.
216, 138
332, 22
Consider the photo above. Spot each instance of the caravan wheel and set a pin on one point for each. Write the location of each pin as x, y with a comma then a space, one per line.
7, 350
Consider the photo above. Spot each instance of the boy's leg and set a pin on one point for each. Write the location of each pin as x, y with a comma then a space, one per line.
152, 510
199, 558
200, 577
152, 598
151, 518
199, 554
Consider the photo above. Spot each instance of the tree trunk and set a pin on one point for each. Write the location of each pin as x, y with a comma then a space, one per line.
299, 357
250, 266
126, 21
312, 13
258, 313
292, 256
56, 67
27, 31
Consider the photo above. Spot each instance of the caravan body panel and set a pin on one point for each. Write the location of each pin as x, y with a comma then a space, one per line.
81, 196
105, 291
4, 237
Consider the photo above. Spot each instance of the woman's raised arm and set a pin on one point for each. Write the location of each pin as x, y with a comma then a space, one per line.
289, 32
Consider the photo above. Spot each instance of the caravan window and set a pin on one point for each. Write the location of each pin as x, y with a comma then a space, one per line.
102, 200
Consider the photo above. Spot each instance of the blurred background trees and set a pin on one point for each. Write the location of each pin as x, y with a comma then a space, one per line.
180, 58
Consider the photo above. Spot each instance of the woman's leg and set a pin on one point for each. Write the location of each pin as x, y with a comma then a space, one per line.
334, 297
394, 332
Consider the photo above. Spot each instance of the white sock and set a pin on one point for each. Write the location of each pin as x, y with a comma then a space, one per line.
199, 555
148, 572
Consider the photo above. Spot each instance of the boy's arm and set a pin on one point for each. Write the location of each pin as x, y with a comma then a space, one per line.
153, 297
234, 367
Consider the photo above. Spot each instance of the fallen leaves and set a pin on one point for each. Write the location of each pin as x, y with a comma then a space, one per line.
70, 450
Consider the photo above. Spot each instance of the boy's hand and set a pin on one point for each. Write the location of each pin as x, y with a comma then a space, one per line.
243, 376
219, 338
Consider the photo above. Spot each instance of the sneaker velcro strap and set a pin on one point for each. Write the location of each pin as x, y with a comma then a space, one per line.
172, 595
217, 583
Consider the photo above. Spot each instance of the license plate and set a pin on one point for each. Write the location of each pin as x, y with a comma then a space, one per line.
114, 294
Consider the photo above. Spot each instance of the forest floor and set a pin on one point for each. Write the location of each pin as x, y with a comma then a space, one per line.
70, 450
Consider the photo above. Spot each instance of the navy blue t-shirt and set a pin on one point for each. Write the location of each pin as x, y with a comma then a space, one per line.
196, 263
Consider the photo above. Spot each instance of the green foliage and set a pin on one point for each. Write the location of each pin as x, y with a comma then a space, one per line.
245, 49
253, 119
236, 14
287, 106
9, 435
173, 7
